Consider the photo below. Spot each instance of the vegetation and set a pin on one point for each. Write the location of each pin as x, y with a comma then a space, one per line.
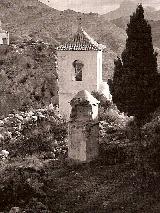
35, 174
95, 187
136, 90
135, 76
28, 78
41, 132
37, 167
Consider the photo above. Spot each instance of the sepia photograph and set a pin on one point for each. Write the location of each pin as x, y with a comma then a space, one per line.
79, 106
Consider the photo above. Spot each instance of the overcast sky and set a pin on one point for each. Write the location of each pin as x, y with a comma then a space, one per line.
99, 6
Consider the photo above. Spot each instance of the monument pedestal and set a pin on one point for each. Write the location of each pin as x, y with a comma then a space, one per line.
83, 143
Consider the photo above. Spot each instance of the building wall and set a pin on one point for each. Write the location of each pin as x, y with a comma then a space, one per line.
91, 75
99, 68
4, 35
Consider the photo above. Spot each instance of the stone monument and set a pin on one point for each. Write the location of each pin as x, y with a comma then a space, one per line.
83, 128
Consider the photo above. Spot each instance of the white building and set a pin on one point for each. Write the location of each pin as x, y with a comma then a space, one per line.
4, 36
79, 68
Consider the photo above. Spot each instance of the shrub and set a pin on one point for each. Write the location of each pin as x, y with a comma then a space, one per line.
37, 131
104, 102
21, 180
35, 206
150, 136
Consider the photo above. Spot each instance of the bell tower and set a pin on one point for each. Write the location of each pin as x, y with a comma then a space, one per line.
79, 68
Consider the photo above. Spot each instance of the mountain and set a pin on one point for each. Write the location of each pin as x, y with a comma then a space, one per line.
127, 7
121, 22
155, 15
33, 19
155, 26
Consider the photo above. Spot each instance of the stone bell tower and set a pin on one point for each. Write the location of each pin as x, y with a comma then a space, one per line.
79, 64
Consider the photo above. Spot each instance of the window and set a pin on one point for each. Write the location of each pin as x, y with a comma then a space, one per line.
4, 40
78, 65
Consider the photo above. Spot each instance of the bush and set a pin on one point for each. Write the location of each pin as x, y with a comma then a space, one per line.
21, 180
104, 102
150, 136
35, 206
35, 132
113, 155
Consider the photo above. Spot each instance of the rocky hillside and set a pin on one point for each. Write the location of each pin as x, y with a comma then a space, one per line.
27, 76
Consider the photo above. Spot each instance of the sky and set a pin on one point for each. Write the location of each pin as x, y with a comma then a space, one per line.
98, 6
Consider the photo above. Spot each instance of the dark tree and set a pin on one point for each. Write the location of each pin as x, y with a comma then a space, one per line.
135, 74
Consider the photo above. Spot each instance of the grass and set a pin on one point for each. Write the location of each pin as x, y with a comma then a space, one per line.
100, 188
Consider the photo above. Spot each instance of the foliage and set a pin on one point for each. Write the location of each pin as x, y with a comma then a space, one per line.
104, 102
135, 74
36, 141
27, 182
113, 126
40, 131
28, 77
150, 134
20, 182
112, 122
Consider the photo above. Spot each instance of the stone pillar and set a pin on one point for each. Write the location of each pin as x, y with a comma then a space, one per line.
83, 128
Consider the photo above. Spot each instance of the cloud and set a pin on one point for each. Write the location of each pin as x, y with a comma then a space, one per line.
100, 6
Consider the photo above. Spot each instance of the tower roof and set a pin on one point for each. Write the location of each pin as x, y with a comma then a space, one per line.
83, 96
81, 41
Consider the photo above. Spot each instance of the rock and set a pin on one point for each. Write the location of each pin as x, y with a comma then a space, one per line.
15, 210
4, 154
1, 123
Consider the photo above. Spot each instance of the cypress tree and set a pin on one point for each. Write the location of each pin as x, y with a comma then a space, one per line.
135, 73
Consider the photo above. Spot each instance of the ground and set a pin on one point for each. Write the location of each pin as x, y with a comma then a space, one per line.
98, 188
95, 187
